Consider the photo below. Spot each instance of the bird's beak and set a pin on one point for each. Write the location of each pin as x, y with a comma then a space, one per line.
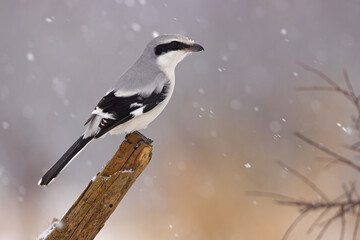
196, 48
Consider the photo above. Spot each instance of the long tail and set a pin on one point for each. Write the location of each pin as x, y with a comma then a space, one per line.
70, 154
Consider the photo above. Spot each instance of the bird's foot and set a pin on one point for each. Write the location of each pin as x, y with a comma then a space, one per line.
127, 138
143, 139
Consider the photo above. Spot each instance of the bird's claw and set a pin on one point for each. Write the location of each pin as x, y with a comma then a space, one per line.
143, 138
127, 138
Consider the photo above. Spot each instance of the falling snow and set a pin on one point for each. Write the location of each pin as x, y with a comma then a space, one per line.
22, 190
136, 27
5, 125
58, 86
195, 104
148, 180
130, 3
155, 34
247, 165
283, 31
94, 46
347, 130
213, 133
30, 56
181, 165
49, 20
142, 2
211, 114
276, 137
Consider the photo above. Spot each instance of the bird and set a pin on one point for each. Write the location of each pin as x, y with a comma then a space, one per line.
137, 97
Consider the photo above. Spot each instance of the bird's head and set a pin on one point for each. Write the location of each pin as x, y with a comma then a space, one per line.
169, 50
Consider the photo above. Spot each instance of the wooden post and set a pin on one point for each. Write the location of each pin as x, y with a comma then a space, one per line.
98, 201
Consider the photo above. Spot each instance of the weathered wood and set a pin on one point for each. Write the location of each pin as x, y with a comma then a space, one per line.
100, 198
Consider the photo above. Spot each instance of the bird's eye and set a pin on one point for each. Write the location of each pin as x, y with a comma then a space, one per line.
175, 44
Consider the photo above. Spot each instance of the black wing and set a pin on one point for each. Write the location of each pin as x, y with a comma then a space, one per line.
121, 108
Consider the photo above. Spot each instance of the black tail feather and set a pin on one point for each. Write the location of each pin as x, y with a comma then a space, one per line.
64, 160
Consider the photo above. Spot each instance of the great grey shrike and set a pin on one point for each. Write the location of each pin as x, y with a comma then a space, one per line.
136, 99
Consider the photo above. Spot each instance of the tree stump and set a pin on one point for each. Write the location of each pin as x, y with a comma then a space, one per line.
98, 201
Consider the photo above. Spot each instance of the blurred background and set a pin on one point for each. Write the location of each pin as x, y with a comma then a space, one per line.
231, 118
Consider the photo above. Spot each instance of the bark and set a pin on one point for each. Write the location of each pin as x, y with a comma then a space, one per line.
99, 200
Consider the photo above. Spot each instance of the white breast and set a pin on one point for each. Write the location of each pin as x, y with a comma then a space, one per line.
143, 120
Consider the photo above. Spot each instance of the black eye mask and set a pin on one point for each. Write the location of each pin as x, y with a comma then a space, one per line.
172, 46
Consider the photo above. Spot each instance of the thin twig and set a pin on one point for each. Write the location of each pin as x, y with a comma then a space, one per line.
318, 205
342, 232
316, 88
320, 74
305, 180
326, 226
349, 201
349, 94
357, 223
348, 83
294, 223
270, 195
342, 210
328, 151
317, 220
347, 192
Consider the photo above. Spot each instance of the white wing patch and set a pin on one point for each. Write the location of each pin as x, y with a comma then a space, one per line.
138, 111
136, 105
98, 111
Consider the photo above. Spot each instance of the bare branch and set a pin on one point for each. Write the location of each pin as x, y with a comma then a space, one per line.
319, 205
347, 192
294, 224
323, 230
316, 88
348, 202
320, 74
349, 94
328, 151
342, 232
357, 223
317, 220
305, 180
270, 195
348, 83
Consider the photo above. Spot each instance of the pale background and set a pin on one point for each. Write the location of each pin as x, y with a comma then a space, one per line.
231, 117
